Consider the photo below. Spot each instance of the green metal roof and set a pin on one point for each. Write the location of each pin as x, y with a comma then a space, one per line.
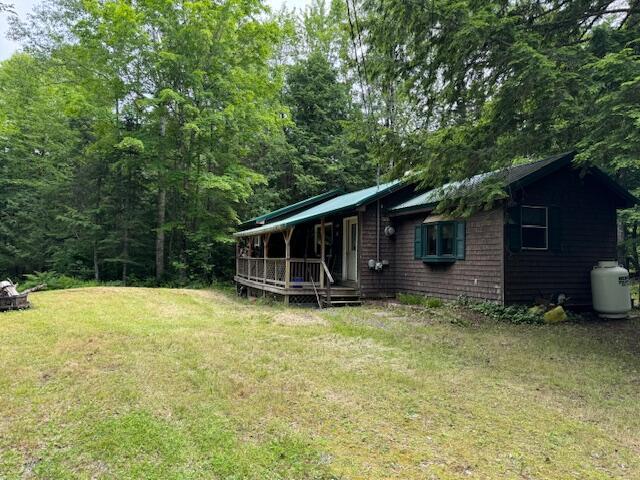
291, 208
432, 197
345, 202
517, 176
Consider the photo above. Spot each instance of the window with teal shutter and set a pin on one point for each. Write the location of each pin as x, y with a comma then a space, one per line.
439, 242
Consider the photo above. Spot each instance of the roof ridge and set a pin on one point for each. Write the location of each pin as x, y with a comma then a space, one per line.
557, 156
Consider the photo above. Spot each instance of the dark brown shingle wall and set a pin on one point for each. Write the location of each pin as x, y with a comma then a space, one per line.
372, 283
478, 276
588, 234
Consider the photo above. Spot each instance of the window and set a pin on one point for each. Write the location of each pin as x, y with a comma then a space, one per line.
447, 237
328, 238
534, 227
431, 239
439, 242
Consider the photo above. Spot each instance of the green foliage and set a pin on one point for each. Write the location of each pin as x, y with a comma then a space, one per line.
516, 314
481, 83
54, 281
419, 300
136, 135
123, 111
324, 146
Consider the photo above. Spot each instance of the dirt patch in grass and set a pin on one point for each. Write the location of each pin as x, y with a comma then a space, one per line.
299, 319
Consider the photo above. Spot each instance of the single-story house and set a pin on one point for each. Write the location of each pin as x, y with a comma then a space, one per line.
554, 224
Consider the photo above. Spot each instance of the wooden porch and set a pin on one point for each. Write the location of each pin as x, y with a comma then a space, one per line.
296, 280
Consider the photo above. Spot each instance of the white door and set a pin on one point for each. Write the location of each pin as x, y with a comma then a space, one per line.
350, 249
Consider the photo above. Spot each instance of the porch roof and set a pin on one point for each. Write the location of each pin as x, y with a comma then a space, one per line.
342, 203
307, 202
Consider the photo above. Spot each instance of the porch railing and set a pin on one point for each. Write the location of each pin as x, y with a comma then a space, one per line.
302, 272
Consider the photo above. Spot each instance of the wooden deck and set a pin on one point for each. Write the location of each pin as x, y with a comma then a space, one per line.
297, 280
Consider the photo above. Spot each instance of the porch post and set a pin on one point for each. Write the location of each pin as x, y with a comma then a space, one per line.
287, 262
266, 254
237, 263
237, 255
322, 242
250, 255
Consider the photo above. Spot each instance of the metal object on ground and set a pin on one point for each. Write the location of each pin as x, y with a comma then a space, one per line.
11, 299
610, 289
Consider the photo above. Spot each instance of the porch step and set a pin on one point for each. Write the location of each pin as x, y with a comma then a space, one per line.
342, 296
336, 303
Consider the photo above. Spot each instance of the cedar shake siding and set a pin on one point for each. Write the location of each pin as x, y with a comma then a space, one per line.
587, 233
375, 283
478, 276
378, 284
569, 227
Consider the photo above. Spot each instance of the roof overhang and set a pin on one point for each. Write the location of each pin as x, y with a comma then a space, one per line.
334, 206
287, 223
551, 165
307, 202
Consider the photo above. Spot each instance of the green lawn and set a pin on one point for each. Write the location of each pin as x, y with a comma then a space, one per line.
142, 383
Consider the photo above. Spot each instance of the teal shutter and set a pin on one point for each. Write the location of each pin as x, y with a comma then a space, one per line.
555, 229
513, 232
460, 233
417, 242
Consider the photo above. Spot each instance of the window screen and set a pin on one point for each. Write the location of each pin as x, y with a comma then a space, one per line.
534, 225
431, 240
447, 236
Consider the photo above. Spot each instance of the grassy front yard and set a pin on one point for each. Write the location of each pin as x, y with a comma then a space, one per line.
141, 383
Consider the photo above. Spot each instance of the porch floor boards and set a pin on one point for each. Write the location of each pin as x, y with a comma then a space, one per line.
340, 294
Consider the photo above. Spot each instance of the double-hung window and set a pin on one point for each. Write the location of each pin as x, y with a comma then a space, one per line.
534, 227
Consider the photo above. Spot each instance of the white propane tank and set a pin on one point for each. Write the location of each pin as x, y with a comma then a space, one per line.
610, 290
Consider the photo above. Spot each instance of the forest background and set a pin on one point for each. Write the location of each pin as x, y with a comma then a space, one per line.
136, 134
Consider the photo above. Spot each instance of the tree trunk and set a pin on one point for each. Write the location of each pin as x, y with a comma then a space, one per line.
125, 255
96, 266
162, 202
125, 233
634, 252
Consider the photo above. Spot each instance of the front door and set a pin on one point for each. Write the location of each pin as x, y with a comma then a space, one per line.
350, 249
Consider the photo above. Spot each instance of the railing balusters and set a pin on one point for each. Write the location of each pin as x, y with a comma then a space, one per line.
272, 270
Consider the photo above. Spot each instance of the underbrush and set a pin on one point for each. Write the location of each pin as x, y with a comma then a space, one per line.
57, 281
516, 314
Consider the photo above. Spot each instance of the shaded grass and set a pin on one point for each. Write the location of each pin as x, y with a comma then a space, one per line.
421, 300
142, 383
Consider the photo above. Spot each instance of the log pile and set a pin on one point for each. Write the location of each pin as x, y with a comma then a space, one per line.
11, 299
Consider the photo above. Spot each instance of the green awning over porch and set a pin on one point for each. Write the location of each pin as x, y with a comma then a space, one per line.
342, 203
